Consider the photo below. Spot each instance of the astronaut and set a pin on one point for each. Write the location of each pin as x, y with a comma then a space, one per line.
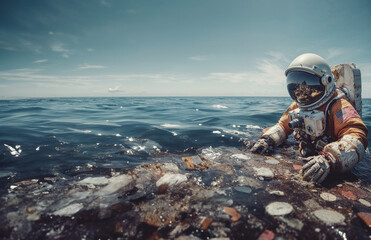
332, 135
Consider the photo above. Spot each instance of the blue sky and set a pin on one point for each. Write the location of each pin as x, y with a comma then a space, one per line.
55, 48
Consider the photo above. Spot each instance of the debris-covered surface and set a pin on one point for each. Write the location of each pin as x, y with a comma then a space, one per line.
220, 193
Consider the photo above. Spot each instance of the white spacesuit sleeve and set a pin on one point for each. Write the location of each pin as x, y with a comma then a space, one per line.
277, 134
345, 153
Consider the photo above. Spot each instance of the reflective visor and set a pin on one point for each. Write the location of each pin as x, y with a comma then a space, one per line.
305, 88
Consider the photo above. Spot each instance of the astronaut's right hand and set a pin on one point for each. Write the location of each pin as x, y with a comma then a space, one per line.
262, 145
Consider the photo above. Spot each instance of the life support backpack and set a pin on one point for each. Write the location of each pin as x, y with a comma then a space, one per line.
348, 79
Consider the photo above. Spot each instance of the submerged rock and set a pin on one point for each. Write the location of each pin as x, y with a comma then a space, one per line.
266, 173
329, 217
279, 208
69, 210
171, 179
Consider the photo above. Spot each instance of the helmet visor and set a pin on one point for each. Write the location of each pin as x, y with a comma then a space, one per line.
305, 88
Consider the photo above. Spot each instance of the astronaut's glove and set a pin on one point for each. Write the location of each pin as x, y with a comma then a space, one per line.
262, 145
317, 169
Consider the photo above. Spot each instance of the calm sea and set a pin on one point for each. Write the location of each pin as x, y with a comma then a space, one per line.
59, 136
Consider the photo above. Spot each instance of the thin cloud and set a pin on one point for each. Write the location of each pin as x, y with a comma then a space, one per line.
334, 52
91, 50
114, 90
267, 71
41, 61
198, 58
60, 47
87, 66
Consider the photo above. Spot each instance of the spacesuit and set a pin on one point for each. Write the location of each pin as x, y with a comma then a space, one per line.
332, 135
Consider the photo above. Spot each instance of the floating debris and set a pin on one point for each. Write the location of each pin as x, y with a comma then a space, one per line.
329, 217
279, 208
328, 197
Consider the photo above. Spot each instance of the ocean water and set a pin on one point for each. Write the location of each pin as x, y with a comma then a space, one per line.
61, 136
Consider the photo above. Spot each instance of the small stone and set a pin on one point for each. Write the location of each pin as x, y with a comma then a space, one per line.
243, 189
272, 161
69, 210
279, 208
119, 228
365, 202
277, 193
328, 197
235, 216
30, 209
194, 163
329, 217
297, 167
266, 235
206, 223
366, 217
171, 179
317, 230
349, 195
339, 185
33, 217
240, 156
293, 223
265, 173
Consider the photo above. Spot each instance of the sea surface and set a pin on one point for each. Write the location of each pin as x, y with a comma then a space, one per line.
62, 136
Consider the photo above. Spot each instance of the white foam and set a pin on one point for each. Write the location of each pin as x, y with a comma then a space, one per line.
253, 126
217, 132
174, 133
168, 125
219, 106
14, 151
118, 135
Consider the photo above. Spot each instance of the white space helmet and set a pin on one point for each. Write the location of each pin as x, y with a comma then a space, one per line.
310, 81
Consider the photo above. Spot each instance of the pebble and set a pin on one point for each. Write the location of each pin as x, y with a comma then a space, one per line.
243, 189
69, 210
349, 195
328, 197
115, 184
366, 217
240, 156
171, 179
329, 217
265, 173
266, 235
279, 208
272, 161
277, 193
365, 202
235, 216
94, 180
